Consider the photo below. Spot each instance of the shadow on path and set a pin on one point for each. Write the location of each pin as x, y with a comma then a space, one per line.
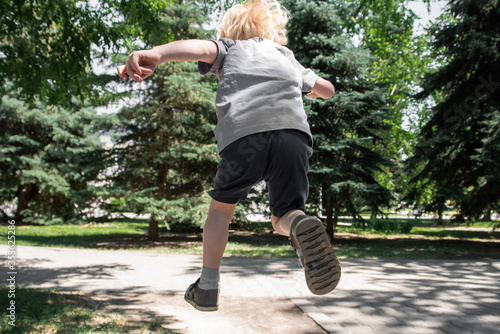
416, 296
381, 296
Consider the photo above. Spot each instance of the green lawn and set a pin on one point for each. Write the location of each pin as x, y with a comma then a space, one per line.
350, 242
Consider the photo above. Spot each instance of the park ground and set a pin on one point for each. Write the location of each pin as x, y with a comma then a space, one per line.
50, 309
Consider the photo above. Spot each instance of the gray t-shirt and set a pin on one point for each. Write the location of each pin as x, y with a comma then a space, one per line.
260, 89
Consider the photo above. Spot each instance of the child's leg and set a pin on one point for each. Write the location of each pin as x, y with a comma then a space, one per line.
282, 225
215, 233
311, 243
204, 293
288, 192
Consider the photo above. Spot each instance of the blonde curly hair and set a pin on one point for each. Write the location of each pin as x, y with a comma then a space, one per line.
255, 18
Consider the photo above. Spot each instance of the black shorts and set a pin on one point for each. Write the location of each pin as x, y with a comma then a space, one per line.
281, 158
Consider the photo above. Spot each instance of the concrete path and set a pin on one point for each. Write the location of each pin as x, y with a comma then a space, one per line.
270, 295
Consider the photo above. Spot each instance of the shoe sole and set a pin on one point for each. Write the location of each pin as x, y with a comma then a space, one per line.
201, 308
321, 265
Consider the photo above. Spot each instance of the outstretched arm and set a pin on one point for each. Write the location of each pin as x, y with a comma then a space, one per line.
323, 88
141, 64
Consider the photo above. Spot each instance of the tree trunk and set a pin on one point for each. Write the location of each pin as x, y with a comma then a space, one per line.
327, 205
374, 212
153, 229
336, 217
487, 216
25, 194
160, 194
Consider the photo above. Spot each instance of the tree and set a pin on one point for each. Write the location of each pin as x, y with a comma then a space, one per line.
344, 128
401, 58
166, 153
49, 159
47, 47
47, 52
458, 147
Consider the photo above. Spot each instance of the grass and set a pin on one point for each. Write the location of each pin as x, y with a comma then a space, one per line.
433, 222
50, 311
421, 243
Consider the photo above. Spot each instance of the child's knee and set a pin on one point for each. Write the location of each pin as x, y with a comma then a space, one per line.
222, 208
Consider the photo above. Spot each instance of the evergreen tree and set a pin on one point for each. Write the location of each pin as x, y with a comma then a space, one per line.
458, 148
49, 160
166, 153
344, 128
48, 50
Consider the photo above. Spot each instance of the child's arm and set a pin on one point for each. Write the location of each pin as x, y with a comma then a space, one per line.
323, 88
141, 64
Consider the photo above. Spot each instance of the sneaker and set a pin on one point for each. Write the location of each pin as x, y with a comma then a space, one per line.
321, 266
202, 300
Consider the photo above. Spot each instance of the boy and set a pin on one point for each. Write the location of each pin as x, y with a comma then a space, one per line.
262, 134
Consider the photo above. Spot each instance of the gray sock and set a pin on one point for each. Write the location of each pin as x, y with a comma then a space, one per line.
209, 279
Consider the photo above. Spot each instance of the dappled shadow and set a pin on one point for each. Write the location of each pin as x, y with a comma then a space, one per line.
258, 239
43, 310
427, 296
152, 287
461, 234
417, 247
134, 307
58, 276
348, 245
381, 296
248, 267
170, 240
116, 241
260, 266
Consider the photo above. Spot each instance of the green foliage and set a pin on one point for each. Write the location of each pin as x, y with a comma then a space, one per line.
167, 154
50, 49
458, 147
401, 59
49, 158
47, 47
165, 149
52, 163
346, 127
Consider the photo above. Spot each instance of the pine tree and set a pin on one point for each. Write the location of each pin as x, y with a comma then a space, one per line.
166, 151
49, 160
345, 127
457, 154
48, 49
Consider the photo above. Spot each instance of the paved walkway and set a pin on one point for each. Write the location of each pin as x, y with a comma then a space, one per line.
270, 296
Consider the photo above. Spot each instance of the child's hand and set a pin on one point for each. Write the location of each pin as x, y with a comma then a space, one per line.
313, 95
140, 65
